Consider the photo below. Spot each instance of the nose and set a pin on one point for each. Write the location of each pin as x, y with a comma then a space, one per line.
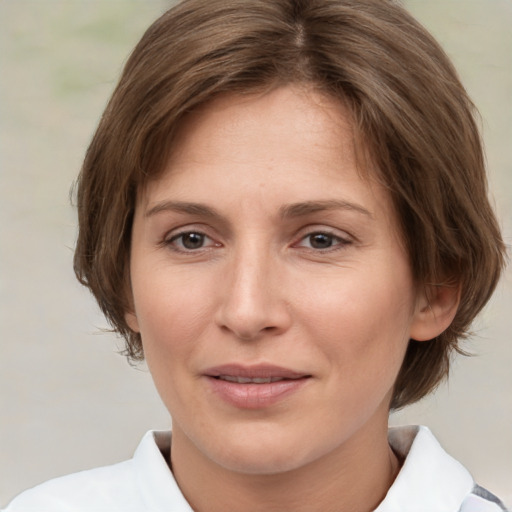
253, 299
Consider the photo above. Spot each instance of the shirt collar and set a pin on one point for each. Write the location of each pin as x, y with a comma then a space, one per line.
430, 479
154, 478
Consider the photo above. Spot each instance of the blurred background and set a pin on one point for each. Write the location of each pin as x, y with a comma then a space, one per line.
68, 401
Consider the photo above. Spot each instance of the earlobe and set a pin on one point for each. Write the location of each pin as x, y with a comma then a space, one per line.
130, 316
435, 311
132, 322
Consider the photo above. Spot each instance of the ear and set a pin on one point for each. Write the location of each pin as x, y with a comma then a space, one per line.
131, 319
130, 316
435, 311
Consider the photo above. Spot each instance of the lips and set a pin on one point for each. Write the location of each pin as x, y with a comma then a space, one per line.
262, 371
248, 380
254, 387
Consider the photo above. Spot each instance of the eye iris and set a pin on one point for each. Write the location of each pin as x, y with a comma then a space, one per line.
192, 240
321, 241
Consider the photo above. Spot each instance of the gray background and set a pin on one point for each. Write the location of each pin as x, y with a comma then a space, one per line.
67, 400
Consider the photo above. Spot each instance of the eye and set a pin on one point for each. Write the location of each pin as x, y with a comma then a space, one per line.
190, 241
322, 241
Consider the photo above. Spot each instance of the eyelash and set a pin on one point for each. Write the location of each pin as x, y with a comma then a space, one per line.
337, 242
171, 242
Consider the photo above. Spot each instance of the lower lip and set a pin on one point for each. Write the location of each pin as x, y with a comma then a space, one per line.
255, 396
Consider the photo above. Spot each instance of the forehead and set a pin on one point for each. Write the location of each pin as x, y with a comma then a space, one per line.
293, 138
274, 118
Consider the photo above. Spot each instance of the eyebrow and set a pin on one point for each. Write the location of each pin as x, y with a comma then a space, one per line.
300, 209
184, 207
309, 207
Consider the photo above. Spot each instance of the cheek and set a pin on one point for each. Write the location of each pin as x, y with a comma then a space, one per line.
361, 331
173, 316
362, 322
171, 310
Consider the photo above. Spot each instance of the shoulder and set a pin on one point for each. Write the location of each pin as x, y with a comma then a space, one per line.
431, 480
481, 500
109, 488
141, 483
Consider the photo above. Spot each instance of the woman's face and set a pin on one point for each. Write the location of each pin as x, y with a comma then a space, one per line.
273, 296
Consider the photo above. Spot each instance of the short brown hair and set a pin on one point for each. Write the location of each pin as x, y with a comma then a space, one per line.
408, 106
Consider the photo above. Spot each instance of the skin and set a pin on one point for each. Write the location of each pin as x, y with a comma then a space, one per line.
324, 289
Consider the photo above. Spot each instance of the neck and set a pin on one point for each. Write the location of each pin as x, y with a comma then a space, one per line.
355, 477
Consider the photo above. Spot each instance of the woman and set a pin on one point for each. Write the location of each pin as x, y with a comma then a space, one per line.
284, 211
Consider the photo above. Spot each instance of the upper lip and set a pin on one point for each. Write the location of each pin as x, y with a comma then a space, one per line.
260, 371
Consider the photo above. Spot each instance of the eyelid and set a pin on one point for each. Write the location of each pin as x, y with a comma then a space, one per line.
343, 237
174, 234
183, 233
187, 228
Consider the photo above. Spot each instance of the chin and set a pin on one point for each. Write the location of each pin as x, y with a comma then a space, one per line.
265, 453
261, 462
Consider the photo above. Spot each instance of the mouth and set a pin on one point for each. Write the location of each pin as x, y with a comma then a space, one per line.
254, 380
256, 374
254, 387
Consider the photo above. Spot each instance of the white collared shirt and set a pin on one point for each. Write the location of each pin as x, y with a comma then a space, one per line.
430, 481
